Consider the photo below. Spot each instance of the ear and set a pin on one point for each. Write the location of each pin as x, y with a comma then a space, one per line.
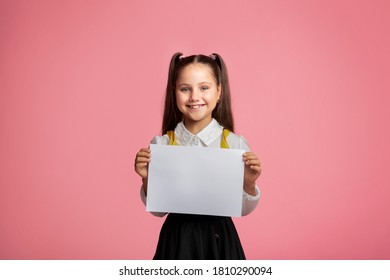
219, 89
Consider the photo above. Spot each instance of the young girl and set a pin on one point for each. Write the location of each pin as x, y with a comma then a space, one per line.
198, 113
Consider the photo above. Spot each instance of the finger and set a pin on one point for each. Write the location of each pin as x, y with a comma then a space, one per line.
255, 168
249, 156
253, 162
144, 151
143, 154
142, 160
140, 165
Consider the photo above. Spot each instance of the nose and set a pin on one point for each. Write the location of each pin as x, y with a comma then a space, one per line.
194, 95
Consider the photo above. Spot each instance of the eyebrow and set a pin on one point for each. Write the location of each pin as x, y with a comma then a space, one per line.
201, 83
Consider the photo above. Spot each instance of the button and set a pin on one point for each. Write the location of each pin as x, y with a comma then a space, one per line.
216, 235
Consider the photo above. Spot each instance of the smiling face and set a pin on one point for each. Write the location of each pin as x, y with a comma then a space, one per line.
197, 93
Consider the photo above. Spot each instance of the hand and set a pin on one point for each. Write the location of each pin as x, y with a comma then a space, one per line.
141, 163
252, 171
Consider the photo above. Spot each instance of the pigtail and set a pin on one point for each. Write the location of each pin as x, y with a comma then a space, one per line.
223, 112
172, 115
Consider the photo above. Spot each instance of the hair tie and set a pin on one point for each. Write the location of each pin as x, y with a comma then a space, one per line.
181, 57
213, 56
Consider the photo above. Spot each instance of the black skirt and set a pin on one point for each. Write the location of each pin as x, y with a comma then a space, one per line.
198, 237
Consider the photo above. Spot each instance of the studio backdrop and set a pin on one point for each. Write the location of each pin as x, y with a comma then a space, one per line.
81, 91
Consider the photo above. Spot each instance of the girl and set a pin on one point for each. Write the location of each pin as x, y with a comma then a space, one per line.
198, 113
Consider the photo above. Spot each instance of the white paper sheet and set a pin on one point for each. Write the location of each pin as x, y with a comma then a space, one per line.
195, 180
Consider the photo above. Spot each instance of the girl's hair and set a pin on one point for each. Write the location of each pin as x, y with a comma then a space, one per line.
223, 110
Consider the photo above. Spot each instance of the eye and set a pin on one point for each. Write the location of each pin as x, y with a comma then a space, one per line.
203, 88
184, 89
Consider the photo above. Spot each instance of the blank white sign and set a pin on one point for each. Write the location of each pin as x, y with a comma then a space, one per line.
195, 180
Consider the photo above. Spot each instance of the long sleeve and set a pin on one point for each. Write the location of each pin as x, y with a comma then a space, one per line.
249, 202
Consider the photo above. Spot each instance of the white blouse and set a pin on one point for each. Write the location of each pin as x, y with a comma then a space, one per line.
210, 136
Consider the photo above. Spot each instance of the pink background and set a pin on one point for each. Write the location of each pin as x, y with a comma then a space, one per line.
81, 90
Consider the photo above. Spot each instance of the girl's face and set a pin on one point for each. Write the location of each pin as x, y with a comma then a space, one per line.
197, 93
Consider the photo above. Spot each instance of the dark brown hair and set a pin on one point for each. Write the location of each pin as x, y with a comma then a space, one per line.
222, 112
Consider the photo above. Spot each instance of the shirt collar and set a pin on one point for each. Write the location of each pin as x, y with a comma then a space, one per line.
207, 135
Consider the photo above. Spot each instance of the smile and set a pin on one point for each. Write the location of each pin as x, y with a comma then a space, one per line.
195, 106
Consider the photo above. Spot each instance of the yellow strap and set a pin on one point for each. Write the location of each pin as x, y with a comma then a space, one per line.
224, 143
172, 139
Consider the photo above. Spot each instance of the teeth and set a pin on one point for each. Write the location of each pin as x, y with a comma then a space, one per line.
195, 106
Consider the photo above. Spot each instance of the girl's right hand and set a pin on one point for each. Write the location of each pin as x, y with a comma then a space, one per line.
142, 160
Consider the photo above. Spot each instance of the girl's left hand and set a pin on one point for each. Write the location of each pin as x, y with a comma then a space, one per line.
252, 171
